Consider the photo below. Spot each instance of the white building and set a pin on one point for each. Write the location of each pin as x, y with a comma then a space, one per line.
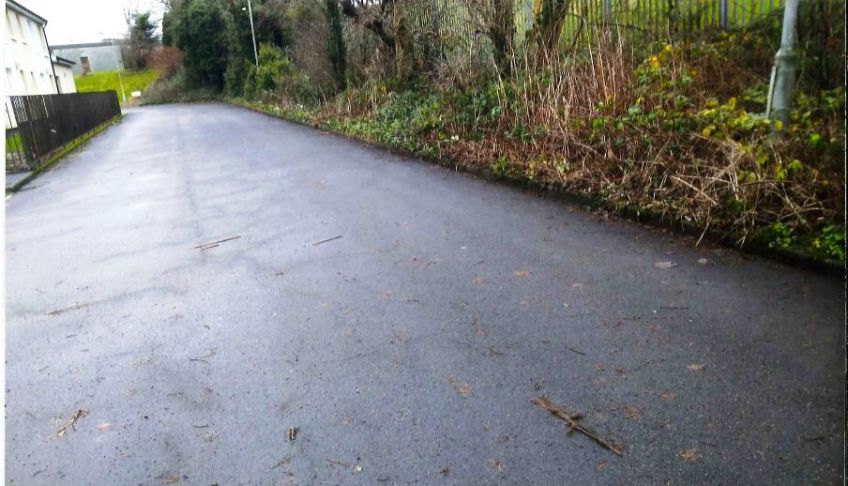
64, 71
26, 56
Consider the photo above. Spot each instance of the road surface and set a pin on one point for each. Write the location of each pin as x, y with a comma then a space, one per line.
399, 315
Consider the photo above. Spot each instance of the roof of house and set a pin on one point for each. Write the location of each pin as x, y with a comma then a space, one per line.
17, 7
105, 43
62, 61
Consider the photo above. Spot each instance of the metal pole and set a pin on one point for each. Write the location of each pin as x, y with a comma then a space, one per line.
785, 67
121, 81
252, 33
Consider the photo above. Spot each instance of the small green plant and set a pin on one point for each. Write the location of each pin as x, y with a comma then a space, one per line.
500, 167
779, 236
832, 242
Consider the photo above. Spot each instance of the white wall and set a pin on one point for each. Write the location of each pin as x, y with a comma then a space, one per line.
26, 60
66, 78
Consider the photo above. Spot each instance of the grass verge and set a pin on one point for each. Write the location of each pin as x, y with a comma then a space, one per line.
797, 257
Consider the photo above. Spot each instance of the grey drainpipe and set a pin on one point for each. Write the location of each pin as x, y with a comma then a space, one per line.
50, 56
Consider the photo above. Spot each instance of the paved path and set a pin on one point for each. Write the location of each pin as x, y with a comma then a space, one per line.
406, 351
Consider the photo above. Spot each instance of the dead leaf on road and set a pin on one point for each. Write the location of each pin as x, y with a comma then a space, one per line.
696, 366
462, 388
703, 261
599, 366
603, 465
631, 412
521, 273
667, 396
478, 280
690, 455
498, 465
665, 265
169, 478
104, 426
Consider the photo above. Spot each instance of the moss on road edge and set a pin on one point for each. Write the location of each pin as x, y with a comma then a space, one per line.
58, 155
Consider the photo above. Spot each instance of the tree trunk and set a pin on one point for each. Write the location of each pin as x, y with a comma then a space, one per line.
405, 60
547, 28
501, 27
336, 50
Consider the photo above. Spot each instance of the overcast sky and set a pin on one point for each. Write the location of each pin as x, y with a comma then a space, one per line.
75, 21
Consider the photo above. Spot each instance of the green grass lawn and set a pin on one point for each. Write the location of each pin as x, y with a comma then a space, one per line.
13, 142
108, 80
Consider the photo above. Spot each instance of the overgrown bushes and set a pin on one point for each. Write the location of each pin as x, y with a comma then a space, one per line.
673, 127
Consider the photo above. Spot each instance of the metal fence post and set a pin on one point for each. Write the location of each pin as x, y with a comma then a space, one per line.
723, 9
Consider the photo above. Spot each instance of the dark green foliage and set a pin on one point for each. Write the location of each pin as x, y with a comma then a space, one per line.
142, 39
167, 30
239, 49
250, 90
273, 67
199, 31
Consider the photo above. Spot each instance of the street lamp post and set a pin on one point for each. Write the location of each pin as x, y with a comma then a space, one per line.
252, 33
785, 67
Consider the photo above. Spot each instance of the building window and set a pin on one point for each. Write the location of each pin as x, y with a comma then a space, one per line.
9, 80
9, 25
33, 35
21, 29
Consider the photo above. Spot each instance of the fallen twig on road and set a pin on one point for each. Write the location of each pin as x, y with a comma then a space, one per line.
338, 463
816, 438
326, 241
572, 420
71, 423
212, 352
213, 244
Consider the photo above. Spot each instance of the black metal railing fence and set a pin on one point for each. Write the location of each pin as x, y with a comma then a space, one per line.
38, 125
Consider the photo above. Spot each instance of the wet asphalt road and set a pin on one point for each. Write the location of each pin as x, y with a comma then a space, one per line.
406, 351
